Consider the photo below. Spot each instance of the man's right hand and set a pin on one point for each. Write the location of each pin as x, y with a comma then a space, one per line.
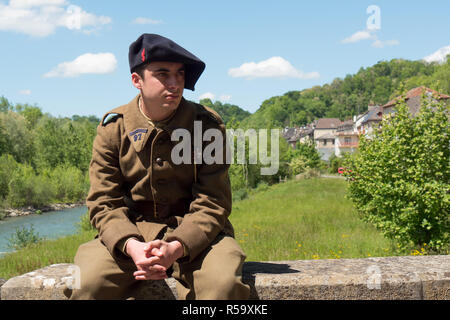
136, 250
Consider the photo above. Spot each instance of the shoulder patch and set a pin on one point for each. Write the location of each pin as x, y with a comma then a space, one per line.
110, 117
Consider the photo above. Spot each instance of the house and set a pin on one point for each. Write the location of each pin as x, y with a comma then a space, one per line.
413, 99
302, 134
324, 136
347, 138
370, 120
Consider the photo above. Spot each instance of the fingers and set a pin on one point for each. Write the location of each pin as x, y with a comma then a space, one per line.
153, 246
153, 252
156, 248
150, 276
152, 273
152, 261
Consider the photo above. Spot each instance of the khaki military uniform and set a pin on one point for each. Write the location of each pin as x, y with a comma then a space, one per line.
137, 191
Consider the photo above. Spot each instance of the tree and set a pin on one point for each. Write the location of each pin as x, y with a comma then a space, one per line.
5, 105
31, 113
18, 136
399, 181
5, 145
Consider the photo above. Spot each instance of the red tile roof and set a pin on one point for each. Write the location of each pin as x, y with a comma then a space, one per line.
417, 92
328, 123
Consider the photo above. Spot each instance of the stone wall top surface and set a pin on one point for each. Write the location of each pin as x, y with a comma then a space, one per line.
410, 277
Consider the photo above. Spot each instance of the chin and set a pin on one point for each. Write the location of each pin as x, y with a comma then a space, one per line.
171, 104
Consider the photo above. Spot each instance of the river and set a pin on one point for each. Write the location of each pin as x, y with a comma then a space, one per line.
49, 225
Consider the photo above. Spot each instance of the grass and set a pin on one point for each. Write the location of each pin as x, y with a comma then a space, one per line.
44, 253
305, 219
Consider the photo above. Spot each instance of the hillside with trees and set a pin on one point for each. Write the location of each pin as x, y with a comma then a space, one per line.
351, 95
230, 113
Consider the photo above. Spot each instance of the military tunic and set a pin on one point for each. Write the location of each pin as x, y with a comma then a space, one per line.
137, 190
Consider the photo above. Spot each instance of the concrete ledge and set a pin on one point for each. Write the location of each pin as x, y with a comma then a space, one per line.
405, 278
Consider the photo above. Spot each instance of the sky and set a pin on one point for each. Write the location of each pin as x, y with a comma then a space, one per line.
70, 57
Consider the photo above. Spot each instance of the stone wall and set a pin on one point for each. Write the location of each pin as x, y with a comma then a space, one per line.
406, 278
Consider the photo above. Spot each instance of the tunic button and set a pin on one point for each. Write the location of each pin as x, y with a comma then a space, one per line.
159, 161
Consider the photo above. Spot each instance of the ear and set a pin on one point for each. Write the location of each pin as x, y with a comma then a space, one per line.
136, 80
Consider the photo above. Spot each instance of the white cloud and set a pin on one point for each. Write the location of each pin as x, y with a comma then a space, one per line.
35, 3
438, 56
141, 20
25, 92
381, 44
358, 36
207, 95
41, 18
275, 67
370, 34
89, 63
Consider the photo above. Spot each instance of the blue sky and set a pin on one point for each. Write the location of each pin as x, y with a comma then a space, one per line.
71, 56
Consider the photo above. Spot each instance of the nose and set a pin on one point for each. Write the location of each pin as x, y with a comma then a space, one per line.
173, 82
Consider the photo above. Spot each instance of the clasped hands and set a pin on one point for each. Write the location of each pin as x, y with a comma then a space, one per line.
153, 258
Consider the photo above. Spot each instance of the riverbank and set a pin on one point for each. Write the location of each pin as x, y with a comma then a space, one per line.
18, 212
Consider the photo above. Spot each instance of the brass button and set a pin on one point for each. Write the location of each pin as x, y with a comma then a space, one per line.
159, 161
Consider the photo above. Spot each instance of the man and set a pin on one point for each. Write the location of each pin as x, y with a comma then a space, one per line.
156, 218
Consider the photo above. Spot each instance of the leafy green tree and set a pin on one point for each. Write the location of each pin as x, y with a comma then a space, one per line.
31, 113
5, 105
226, 111
19, 136
50, 137
399, 181
5, 145
7, 167
26, 188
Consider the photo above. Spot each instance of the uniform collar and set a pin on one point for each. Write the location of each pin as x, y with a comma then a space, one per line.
138, 128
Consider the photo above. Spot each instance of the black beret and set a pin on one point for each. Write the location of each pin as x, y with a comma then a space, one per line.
152, 47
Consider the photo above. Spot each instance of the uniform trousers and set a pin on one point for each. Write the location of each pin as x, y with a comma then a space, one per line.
215, 274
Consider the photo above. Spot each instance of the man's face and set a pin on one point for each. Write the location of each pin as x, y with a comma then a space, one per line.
162, 84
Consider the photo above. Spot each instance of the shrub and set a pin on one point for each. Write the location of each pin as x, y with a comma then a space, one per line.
399, 181
335, 164
298, 165
240, 194
85, 223
69, 184
23, 237
28, 189
308, 174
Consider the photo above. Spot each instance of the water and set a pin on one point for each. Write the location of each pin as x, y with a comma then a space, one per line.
49, 225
